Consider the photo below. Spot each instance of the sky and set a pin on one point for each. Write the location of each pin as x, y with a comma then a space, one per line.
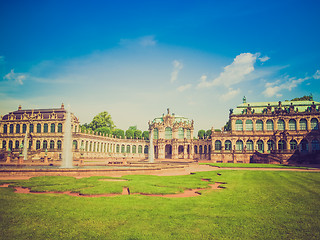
135, 59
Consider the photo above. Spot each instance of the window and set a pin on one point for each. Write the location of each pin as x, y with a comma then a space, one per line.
180, 133
228, 145
217, 145
239, 125
5, 128
38, 144
303, 124
314, 124
45, 128
51, 144
86, 146
271, 145
134, 149
10, 145
259, 125
94, 147
260, 146
53, 127
249, 125
118, 148
30, 144
249, 145
269, 125
24, 128
17, 145
60, 127
293, 144
315, 145
239, 145
188, 133
146, 149
45, 144
195, 149
122, 149
281, 125
11, 128
304, 145
140, 149
168, 133
155, 133
4, 144
128, 148
31, 128
282, 145
38, 128
59, 144
75, 144
18, 128
292, 125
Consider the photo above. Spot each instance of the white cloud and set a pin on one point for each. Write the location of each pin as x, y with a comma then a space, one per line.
234, 73
264, 59
177, 66
184, 87
317, 75
230, 94
15, 77
274, 88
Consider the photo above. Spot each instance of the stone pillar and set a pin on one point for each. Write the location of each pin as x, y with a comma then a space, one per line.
265, 146
185, 152
174, 151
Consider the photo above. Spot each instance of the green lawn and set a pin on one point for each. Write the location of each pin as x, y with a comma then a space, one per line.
252, 165
254, 205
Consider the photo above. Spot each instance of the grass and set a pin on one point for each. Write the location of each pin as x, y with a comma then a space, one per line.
252, 165
254, 205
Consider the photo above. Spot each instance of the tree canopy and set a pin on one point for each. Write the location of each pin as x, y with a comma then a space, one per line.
304, 98
103, 119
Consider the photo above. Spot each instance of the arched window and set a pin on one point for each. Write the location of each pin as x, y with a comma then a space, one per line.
118, 148
134, 149
293, 144
24, 128
45, 144
303, 124
217, 145
123, 149
304, 145
90, 146
5, 128
45, 128
4, 144
200, 149
94, 146
292, 125
38, 128
53, 128
75, 144
188, 133
51, 144
260, 146
59, 144
60, 127
180, 133
259, 125
315, 145
168, 133
155, 133
139, 149
17, 144
11, 128
249, 145
37, 144
128, 149
239, 145
18, 128
86, 146
30, 144
228, 145
31, 128
249, 125
281, 125
239, 125
270, 125
271, 145
314, 124
205, 149
282, 145
10, 145
146, 149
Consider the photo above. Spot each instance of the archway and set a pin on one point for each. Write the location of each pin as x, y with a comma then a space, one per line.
168, 151
180, 151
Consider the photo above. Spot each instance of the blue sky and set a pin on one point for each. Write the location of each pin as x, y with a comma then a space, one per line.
135, 59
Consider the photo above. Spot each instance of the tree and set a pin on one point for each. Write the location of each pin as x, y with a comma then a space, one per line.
138, 134
129, 133
103, 119
304, 98
208, 133
227, 127
103, 130
145, 135
201, 133
119, 133
133, 128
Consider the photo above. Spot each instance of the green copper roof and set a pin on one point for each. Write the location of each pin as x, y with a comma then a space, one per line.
176, 119
258, 107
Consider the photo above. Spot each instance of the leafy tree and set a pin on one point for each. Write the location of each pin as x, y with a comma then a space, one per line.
103, 130
103, 119
145, 135
304, 98
201, 133
133, 128
138, 134
119, 133
227, 127
129, 133
208, 133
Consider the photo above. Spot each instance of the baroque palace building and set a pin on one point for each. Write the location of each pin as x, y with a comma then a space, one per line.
270, 132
